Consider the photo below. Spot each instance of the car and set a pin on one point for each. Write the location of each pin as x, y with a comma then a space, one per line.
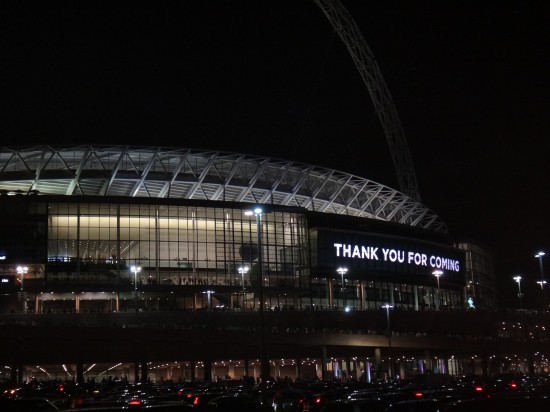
500, 404
356, 405
26, 405
288, 400
230, 403
418, 405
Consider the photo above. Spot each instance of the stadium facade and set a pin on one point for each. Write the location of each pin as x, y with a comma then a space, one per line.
125, 243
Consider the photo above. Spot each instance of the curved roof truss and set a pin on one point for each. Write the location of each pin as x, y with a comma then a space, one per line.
215, 176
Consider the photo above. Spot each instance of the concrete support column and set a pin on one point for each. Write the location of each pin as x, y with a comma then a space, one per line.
378, 362
530, 363
144, 372
368, 376
136, 372
357, 366
208, 370
79, 373
349, 373
77, 303
421, 368
246, 372
362, 295
428, 360
192, 374
330, 293
298, 368
402, 371
324, 362
415, 289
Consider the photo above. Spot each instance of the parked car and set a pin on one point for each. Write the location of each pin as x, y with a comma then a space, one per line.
356, 405
230, 403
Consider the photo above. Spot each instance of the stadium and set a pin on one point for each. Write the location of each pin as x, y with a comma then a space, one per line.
161, 263
190, 264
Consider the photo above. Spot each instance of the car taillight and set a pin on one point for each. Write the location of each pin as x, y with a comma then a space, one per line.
418, 394
513, 385
196, 400
318, 400
478, 388
134, 402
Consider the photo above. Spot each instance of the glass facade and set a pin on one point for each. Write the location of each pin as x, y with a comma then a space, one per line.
480, 276
92, 256
146, 247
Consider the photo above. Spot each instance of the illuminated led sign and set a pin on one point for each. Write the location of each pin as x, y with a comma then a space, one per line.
409, 257
379, 256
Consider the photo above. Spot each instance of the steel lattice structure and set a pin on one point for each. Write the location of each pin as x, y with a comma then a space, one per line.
364, 60
175, 173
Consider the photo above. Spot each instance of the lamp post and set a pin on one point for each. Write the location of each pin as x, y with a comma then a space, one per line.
520, 295
136, 270
22, 270
264, 366
387, 306
539, 256
541, 282
342, 271
437, 274
242, 271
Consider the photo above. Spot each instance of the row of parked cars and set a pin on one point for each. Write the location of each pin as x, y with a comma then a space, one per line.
421, 393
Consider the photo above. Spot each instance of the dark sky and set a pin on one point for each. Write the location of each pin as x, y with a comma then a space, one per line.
470, 81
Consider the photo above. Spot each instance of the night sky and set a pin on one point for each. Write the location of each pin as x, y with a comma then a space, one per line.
470, 81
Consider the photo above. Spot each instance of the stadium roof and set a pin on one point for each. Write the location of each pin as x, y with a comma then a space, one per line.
178, 173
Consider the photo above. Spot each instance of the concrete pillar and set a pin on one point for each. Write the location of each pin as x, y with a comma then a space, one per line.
193, 375
208, 370
415, 289
378, 362
428, 360
246, 372
298, 368
330, 293
402, 371
144, 372
77, 303
349, 373
136, 372
421, 368
324, 362
357, 367
531, 363
79, 373
368, 376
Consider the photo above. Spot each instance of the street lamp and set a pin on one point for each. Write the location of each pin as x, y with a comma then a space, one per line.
520, 295
264, 367
22, 270
542, 281
242, 271
437, 274
342, 272
387, 306
136, 270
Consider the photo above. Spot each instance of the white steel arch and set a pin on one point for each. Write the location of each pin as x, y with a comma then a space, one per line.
364, 60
